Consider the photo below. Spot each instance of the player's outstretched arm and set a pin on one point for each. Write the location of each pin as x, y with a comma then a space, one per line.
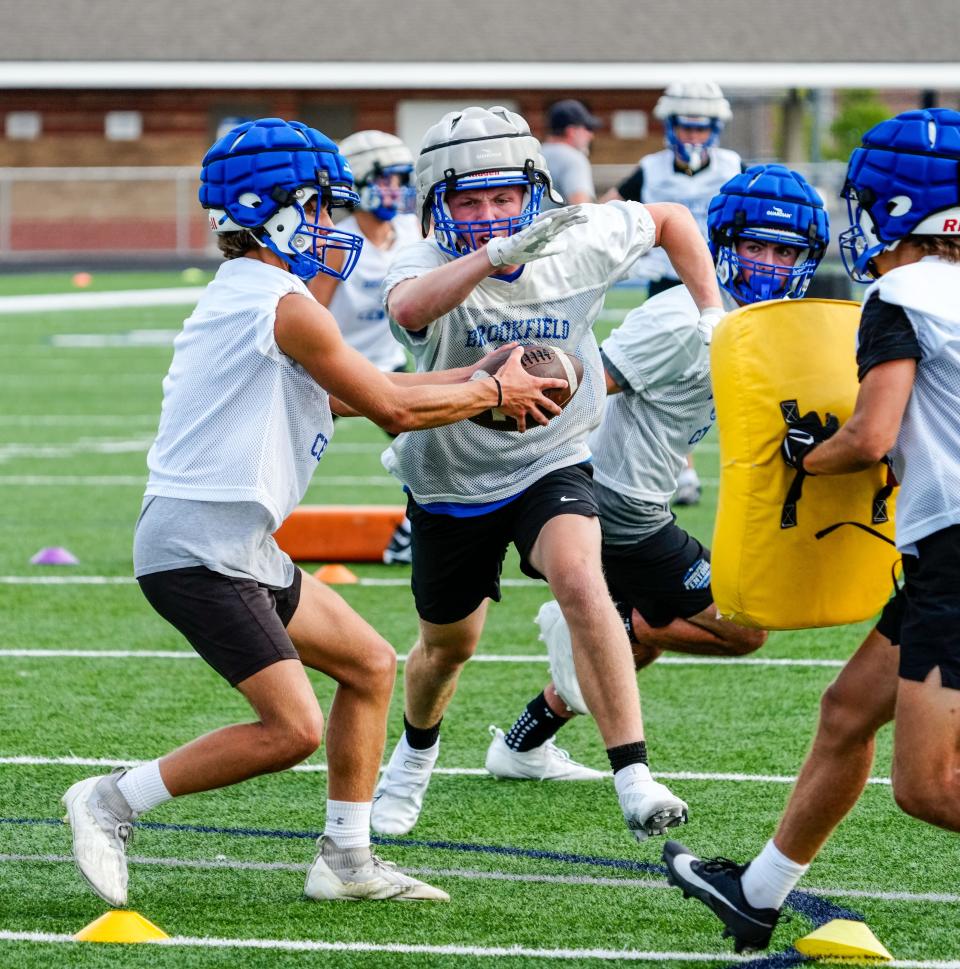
307, 333
679, 236
416, 303
874, 425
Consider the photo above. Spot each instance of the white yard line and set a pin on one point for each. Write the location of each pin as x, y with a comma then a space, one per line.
25, 653
473, 874
138, 445
118, 299
29, 760
124, 480
58, 420
495, 952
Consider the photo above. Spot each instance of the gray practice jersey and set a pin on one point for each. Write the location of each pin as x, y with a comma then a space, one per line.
553, 301
926, 456
663, 183
665, 408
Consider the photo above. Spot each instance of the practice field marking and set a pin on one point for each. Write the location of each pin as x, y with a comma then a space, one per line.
117, 299
474, 874
30, 760
138, 445
125, 480
496, 952
98, 341
13, 653
56, 420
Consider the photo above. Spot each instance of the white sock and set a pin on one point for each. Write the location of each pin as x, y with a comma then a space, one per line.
632, 774
770, 877
143, 787
348, 823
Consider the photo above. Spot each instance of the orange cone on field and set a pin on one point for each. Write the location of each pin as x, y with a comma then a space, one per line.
336, 575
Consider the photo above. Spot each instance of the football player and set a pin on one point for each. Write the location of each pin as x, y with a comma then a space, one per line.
690, 170
904, 239
246, 417
492, 273
382, 167
657, 371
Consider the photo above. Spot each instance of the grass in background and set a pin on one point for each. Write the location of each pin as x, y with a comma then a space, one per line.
74, 428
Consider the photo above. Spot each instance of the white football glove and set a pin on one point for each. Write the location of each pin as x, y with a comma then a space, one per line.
537, 240
709, 318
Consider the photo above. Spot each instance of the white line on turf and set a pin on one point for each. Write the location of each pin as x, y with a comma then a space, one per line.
497, 952
473, 874
84, 446
773, 661
117, 299
57, 420
30, 760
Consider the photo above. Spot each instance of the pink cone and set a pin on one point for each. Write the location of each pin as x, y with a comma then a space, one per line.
55, 555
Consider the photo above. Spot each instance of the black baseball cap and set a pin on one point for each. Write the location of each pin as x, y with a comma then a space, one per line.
571, 112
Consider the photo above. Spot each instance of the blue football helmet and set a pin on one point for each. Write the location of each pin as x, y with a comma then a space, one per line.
903, 180
471, 149
262, 176
769, 203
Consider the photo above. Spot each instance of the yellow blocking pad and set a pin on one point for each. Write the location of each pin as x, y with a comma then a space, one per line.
121, 926
765, 575
842, 939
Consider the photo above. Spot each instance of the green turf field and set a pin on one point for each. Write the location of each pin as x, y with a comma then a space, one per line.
538, 873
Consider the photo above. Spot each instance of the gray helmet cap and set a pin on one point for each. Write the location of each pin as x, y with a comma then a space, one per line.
371, 151
471, 142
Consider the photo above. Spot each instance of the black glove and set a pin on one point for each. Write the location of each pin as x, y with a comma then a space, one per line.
804, 435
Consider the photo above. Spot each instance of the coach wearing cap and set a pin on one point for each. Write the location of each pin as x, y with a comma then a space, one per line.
566, 147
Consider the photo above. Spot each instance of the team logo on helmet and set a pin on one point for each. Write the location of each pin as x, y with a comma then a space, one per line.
277, 178
904, 179
770, 204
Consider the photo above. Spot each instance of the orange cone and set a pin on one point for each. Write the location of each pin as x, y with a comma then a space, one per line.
336, 575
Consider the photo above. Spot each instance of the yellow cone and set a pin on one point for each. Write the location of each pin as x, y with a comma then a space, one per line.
121, 926
842, 938
336, 575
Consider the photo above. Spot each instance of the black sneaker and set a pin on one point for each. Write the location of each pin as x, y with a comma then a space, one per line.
717, 883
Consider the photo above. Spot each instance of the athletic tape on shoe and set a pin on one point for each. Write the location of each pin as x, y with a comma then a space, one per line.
769, 569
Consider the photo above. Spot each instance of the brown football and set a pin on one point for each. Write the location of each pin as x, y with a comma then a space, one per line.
541, 361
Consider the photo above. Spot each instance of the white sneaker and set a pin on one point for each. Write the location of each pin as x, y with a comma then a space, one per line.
548, 762
355, 874
102, 824
649, 807
555, 633
688, 488
399, 795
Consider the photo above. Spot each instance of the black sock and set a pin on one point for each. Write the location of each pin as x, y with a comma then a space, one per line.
627, 754
421, 738
535, 726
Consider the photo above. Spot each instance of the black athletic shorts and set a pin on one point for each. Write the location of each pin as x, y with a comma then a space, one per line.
891, 619
237, 625
664, 577
457, 561
930, 635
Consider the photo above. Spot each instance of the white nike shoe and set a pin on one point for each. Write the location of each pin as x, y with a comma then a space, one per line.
355, 874
399, 795
548, 762
649, 807
555, 633
688, 488
102, 823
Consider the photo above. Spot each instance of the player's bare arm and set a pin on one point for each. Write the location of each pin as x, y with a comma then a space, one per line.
874, 425
679, 236
308, 333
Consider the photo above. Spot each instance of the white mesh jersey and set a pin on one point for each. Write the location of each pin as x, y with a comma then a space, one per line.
926, 456
241, 421
554, 301
663, 183
648, 430
356, 304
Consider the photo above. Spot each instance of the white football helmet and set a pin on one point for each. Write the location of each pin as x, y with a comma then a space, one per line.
478, 148
382, 171
693, 104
